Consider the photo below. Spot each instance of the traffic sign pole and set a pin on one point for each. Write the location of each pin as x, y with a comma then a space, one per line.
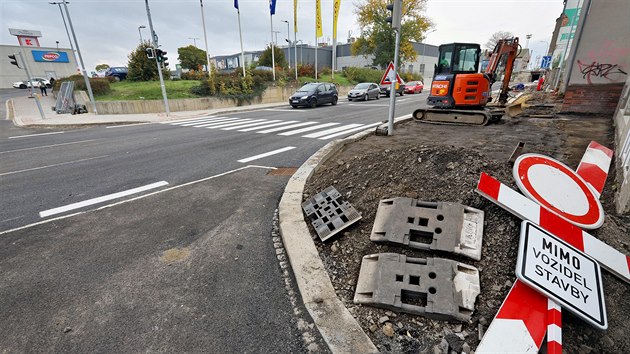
392, 91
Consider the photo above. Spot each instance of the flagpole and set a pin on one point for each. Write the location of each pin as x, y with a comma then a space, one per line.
273, 57
316, 54
295, 37
240, 34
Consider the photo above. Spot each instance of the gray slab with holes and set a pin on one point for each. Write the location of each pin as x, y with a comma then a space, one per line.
330, 213
432, 287
440, 226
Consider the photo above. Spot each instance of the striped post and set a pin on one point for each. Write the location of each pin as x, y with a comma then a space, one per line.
593, 167
554, 327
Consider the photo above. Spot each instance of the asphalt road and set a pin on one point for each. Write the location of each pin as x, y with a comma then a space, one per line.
157, 236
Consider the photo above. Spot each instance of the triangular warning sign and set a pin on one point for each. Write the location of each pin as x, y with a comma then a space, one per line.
389, 75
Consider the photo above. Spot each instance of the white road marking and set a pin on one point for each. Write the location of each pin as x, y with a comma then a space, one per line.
266, 154
47, 146
218, 122
331, 131
30, 135
307, 129
257, 125
284, 110
54, 165
285, 127
207, 120
104, 198
239, 123
269, 125
349, 131
135, 198
185, 120
368, 105
127, 125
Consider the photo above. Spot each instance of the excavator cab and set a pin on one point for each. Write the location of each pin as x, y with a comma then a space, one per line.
457, 82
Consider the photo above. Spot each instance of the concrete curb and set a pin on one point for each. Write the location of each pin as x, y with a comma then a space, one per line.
340, 330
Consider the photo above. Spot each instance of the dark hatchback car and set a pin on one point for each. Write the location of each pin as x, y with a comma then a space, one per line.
314, 94
386, 88
117, 72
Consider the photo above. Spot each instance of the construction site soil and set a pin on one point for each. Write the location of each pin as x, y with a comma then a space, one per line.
443, 163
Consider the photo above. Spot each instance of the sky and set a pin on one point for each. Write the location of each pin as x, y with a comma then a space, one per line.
107, 30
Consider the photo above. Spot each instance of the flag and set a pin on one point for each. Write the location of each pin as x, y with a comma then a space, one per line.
272, 7
295, 16
335, 17
318, 19
236, 4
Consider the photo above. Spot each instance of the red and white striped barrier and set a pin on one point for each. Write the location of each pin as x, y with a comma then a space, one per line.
554, 328
593, 167
612, 260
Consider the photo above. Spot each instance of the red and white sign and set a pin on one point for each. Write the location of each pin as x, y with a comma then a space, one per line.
558, 188
389, 75
594, 166
27, 41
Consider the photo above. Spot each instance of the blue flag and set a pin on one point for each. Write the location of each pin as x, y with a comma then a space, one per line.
272, 7
236, 4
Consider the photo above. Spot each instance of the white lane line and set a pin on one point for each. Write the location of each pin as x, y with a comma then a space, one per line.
256, 125
266, 154
307, 129
332, 130
269, 125
127, 125
368, 105
241, 123
285, 127
54, 165
104, 198
223, 121
349, 131
30, 135
208, 120
284, 110
107, 206
47, 146
185, 120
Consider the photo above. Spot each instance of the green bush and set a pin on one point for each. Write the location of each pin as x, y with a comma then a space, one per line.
194, 75
263, 75
326, 71
234, 86
306, 70
411, 77
362, 74
100, 86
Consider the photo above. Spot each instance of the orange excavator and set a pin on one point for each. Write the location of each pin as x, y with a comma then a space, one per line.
460, 93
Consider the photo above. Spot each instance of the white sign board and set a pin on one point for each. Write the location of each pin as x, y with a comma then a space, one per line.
561, 272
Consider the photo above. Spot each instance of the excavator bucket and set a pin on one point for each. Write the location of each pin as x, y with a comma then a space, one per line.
515, 108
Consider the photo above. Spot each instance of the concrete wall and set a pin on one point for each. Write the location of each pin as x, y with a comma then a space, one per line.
271, 95
11, 73
622, 152
600, 59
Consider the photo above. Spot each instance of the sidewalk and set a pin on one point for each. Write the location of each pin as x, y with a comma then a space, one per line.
25, 113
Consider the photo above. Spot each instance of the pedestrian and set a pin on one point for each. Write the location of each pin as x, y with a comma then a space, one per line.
42, 88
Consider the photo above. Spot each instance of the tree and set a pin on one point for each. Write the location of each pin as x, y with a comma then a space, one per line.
497, 36
265, 57
377, 37
192, 58
102, 67
141, 68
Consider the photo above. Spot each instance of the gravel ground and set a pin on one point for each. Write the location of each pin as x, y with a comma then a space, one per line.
443, 163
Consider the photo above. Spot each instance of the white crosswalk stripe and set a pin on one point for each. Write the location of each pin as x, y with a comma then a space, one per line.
267, 126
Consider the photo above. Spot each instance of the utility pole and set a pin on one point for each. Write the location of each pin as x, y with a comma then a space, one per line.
159, 68
85, 76
67, 32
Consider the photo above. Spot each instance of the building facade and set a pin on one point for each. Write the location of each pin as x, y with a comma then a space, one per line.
41, 61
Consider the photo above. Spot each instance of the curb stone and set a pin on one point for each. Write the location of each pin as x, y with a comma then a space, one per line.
340, 330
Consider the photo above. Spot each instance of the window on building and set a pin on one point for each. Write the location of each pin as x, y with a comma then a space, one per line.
422, 69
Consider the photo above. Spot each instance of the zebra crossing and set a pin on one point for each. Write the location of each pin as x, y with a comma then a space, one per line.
312, 130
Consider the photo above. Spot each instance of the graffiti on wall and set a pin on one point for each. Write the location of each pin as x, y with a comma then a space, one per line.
609, 72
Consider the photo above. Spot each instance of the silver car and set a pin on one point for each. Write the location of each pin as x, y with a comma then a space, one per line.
364, 91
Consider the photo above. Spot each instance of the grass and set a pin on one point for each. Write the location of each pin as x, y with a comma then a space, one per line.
148, 90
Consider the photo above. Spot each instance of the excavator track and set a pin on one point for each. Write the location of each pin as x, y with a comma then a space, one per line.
456, 116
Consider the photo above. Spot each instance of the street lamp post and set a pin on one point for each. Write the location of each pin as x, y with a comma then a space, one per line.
205, 39
57, 45
67, 32
194, 40
140, 32
423, 48
288, 41
276, 41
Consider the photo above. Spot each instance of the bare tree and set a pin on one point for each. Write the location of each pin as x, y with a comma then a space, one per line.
496, 36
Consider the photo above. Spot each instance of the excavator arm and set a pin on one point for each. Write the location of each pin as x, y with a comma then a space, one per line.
503, 56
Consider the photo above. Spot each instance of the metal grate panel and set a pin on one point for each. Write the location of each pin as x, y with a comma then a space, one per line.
449, 227
437, 288
330, 213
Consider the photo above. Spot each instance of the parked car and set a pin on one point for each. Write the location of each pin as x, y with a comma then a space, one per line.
314, 94
26, 84
386, 88
117, 72
364, 91
414, 87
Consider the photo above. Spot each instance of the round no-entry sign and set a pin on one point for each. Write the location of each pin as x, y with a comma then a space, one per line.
558, 188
